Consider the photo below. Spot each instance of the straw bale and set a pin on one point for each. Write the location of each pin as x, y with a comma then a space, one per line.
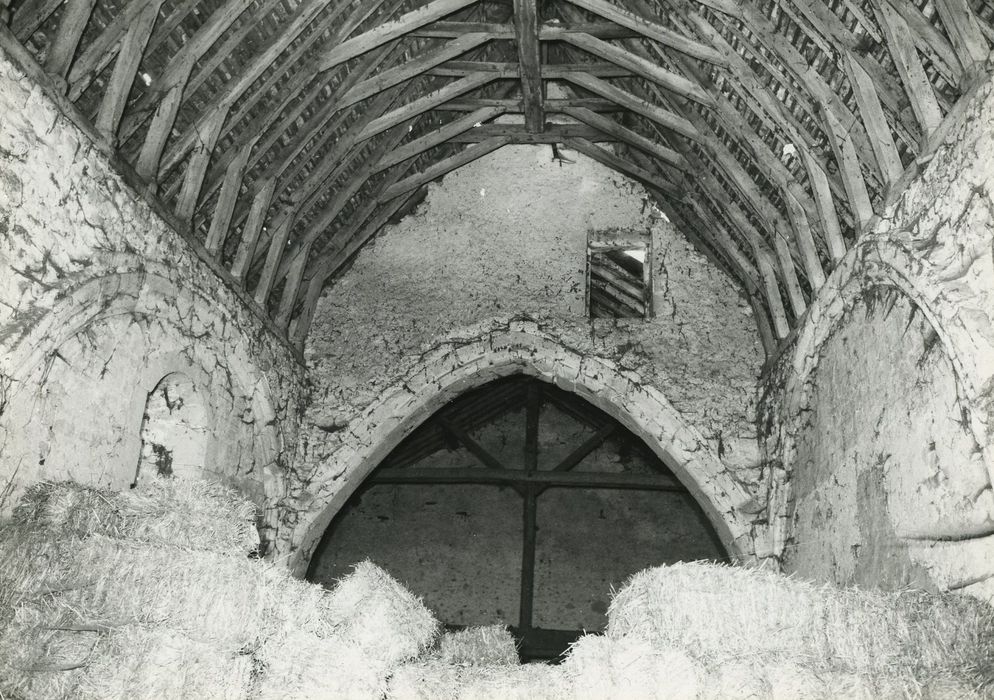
117, 582
191, 513
601, 668
343, 642
491, 645
436, 680
141, 662
720, 614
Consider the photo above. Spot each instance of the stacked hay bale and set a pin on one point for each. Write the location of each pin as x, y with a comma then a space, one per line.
151, 594
736, 632
478, 663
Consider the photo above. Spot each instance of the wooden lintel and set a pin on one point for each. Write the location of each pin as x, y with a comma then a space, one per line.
450, 30
519, 477
519, 134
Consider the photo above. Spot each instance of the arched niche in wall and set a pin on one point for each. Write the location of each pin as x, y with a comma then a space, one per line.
518, 503
888, 483
174, 430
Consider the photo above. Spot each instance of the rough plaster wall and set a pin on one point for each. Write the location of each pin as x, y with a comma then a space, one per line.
888, 465
99, 300
459, 547
506, 235
894, 485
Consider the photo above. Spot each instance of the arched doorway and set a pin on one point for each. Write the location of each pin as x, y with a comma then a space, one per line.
518, 503
174, 430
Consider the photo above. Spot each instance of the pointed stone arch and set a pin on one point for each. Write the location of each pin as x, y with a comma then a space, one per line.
495, 350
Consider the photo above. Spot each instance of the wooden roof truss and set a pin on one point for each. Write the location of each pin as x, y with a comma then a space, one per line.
285, 133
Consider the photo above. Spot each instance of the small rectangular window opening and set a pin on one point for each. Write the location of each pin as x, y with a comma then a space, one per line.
619, 283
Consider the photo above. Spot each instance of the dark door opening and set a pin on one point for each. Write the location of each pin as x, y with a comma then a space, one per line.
518, 503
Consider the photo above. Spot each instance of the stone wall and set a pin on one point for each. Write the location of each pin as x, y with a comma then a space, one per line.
100, 302
488, 276
880, 413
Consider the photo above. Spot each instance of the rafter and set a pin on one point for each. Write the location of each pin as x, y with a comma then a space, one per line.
664, 117
444, 133
640, 66
466, 155
179, 69
74, 19
651, 30
125, 69
262, 62
909, 66
430, 101
610, 160
389, 30
398, 74
357, 179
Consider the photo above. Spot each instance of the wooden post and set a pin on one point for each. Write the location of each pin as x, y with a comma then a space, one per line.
529, 525
529, 63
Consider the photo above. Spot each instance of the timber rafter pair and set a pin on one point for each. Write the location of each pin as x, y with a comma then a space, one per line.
285, 134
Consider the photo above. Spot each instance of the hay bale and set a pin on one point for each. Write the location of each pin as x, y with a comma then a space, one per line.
491, 645
436, 680
342, 643
85, 612
114, 582
601, 668
719, 614
190, 513
150, 663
